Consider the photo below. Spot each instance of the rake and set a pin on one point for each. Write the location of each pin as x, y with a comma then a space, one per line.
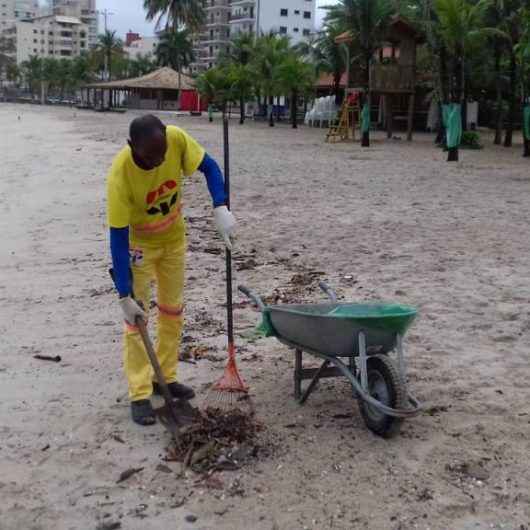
229, 392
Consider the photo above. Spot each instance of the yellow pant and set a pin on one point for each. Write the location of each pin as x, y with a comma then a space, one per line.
165, 266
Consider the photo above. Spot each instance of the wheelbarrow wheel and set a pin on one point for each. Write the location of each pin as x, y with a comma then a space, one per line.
385, 385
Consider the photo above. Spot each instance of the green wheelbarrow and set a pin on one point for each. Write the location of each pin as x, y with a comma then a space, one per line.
365, 335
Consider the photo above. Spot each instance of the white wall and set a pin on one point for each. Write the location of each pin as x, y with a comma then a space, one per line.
271, 18
144, 46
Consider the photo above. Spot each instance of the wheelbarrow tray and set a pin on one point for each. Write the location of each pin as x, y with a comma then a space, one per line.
332, 329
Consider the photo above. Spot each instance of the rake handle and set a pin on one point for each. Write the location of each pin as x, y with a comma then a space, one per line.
166, 394
228, 260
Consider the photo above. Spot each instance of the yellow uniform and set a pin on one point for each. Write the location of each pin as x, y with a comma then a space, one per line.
150, 204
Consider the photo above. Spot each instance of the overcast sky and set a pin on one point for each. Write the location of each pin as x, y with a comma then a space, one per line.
129, 14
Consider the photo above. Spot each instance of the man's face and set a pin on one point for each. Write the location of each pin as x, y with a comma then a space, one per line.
150, 152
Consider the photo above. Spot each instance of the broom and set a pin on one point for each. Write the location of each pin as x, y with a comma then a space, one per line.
230, 390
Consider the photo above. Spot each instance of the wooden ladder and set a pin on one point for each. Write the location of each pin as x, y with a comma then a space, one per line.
340, 130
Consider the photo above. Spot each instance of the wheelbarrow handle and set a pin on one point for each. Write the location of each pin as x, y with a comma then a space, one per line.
329, 291
252, 296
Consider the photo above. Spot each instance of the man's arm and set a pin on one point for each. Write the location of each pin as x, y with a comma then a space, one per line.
224, 219
214, 180
119, 249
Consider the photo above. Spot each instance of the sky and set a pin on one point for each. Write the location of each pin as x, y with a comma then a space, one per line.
129, 15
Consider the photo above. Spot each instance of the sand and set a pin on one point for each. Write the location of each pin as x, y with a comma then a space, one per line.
394, 222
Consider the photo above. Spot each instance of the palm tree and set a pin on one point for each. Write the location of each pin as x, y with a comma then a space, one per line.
64, 76
241, 80
175, 50
325, 54
176, 13
7, 48
216, 87
32, 73
270, 52
81, 70
109, 47
462, 28
509, 25
367, 20
141, 65
523, 55
296, 77
13, 73
237, 56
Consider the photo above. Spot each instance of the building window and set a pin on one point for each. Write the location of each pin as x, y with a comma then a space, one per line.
296, 11
307, 32
284, 12
296, 30
307, 14
283, 30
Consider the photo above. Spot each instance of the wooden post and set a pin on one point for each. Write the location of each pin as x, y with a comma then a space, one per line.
389, 115
410, 117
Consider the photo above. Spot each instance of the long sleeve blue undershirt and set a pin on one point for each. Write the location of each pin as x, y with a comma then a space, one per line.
119, 237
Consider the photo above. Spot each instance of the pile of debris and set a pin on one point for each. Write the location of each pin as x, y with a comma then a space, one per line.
217, 440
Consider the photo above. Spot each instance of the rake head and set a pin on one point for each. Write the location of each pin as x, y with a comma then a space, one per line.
230, 392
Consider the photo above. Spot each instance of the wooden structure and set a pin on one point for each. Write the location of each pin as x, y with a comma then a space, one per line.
349, 117
393, 69
163, 89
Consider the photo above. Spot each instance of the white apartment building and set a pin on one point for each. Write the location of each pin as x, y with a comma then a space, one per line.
143, 46
84, 10
49, 36
225, 18
213, 39
293, 18
13, 10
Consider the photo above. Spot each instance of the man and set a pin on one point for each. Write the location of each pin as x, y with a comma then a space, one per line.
147, 237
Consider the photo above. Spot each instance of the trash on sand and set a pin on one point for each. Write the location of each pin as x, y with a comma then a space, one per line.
56, 359
128, 473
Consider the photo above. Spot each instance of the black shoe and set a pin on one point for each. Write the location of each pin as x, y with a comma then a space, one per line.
142, 412
177, 390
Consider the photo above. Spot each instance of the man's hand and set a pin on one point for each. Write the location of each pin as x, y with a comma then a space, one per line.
131, 310
225, 223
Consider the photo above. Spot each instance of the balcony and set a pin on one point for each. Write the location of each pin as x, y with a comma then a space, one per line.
246, 17
217, 24
225, 7
243, 3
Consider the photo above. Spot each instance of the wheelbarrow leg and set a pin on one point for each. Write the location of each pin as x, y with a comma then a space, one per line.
298, 374
313, 383
401, 358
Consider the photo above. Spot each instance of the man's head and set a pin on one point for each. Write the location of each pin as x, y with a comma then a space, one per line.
148, 141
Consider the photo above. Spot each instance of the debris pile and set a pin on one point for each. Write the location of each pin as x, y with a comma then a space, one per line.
217, 440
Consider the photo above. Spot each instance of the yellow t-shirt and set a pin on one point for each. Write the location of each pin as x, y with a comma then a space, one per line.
150, 202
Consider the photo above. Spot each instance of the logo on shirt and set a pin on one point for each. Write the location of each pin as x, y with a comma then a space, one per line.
162, 199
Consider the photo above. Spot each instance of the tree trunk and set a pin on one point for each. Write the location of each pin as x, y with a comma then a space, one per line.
365, 137
458, 88
513, 100
109, 65
464, 96
241, 110
444, 91
271, 109
498, 94
179, 81
336, 83
452, 154
294, 110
